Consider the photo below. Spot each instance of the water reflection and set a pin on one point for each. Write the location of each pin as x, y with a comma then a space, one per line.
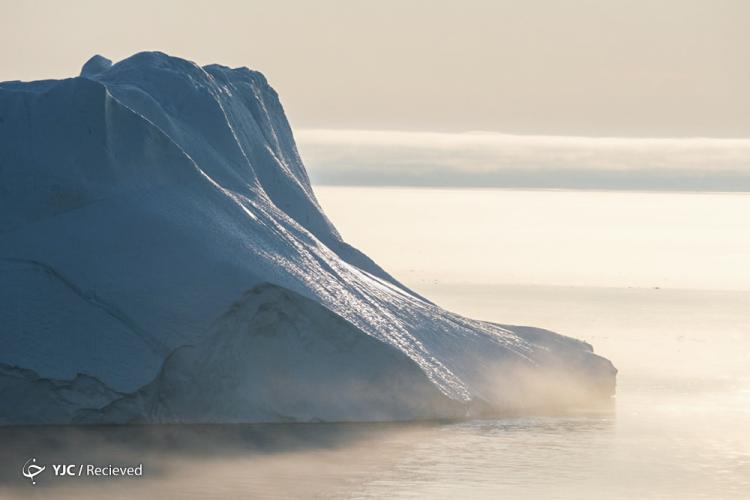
281, 460
657, 444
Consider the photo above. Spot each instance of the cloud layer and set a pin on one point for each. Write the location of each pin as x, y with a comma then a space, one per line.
366, 157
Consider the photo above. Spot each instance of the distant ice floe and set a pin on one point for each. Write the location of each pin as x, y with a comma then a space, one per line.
481, 159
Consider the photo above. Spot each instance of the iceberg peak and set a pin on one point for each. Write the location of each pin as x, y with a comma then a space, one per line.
96, 65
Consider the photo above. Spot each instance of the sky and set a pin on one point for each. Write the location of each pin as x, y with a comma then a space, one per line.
577, 69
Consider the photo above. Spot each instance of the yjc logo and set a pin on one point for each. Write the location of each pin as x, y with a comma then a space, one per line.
65, 470
32, 470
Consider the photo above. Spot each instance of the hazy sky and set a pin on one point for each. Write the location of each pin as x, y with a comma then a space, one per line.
594, 68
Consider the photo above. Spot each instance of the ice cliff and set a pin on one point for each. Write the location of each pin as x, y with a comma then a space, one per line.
163, 259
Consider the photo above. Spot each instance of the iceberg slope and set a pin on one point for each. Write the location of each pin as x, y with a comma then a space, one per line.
277, 356
143, 204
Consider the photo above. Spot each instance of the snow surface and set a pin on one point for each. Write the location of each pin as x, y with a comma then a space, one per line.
150, 207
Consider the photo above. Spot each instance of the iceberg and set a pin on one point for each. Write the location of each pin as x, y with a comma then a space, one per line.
163, 258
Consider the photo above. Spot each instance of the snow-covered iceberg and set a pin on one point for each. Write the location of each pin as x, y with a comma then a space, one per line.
163, 259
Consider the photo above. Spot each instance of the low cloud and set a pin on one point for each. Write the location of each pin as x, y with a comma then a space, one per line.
365, 157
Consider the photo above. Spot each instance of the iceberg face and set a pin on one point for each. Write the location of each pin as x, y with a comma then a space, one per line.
163, 259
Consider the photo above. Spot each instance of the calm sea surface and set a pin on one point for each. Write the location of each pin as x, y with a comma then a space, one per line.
659, 283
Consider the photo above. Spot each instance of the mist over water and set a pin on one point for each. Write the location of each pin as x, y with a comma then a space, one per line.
656, 282
697, 241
